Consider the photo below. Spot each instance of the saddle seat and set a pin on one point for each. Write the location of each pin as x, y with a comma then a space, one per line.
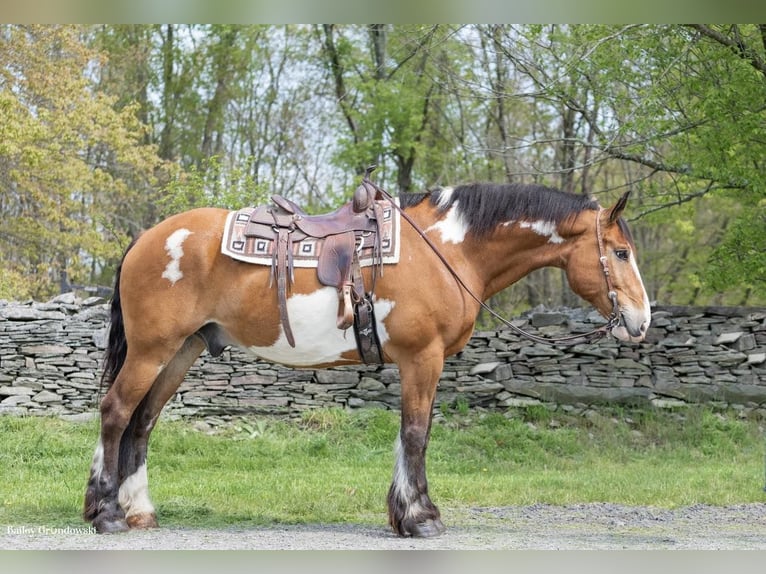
338, 266
352, 216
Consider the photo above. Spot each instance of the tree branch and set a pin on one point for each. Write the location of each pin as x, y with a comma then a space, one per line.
336, 68
734, 45
679, 201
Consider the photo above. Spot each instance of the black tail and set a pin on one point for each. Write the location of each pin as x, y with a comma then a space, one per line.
117, 345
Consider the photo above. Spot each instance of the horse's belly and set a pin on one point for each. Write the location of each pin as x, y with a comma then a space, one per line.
317, 338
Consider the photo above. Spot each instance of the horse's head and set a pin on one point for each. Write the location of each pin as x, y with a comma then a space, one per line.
603, 266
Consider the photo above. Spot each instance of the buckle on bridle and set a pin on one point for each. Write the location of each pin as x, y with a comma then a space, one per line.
614, 318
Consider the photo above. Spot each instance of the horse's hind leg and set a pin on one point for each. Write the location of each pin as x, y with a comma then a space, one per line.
141, 368
410, 510
134, 486
129, 388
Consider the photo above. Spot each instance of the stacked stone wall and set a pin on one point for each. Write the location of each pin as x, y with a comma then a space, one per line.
51, 353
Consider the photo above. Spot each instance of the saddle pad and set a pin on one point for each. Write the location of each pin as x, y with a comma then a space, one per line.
306, 252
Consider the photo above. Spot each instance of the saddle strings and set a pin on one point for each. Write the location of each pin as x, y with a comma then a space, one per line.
612, 321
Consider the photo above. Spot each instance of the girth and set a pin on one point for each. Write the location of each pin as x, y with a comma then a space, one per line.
343, 232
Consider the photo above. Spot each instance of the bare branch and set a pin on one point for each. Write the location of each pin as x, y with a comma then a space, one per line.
679, 201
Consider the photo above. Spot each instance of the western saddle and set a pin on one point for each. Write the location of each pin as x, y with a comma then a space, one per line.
342, 231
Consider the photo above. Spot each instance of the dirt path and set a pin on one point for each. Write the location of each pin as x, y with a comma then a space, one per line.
541, 527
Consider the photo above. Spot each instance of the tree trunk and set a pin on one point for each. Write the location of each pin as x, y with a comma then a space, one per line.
212, 141
166, 150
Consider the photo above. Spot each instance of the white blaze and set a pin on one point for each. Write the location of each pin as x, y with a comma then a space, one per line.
174, 248
631, 315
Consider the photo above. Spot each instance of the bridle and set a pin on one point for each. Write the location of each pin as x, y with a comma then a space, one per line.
612, 321
614, 317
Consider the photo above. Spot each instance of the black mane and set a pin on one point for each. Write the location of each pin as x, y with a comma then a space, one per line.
483, 206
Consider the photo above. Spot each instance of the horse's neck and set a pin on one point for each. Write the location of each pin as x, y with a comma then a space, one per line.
502, 261
491, 264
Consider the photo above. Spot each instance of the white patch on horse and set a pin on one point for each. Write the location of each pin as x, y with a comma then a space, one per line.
402, 486
174, 247
445, 195
452, 227
405, 491
134, 493
97, 466
317, 338
544, 228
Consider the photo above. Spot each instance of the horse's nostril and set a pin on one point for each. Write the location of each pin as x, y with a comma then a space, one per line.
644, 326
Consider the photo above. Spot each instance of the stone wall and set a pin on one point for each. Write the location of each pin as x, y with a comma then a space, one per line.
50, 356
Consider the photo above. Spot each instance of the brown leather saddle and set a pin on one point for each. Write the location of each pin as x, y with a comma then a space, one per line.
342, 231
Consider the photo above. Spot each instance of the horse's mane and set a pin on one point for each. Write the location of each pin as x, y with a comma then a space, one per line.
483, 206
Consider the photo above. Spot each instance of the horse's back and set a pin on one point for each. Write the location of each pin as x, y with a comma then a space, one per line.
177, 248
206, 220
174, 274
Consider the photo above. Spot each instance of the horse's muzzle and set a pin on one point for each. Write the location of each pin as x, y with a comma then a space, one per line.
631, 330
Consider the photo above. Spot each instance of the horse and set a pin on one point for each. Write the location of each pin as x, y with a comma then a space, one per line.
176, 294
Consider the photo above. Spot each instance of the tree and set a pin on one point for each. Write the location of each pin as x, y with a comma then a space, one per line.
227, 106
70, 165
677, 114
386, 84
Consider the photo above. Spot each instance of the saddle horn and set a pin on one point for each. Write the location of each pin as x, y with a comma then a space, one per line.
365, 193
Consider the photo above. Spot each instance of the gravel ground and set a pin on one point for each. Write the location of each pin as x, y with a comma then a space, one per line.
600, 526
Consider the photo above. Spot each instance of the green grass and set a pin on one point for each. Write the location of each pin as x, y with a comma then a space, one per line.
335, 466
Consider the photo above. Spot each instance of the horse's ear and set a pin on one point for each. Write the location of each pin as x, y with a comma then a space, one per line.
616, 210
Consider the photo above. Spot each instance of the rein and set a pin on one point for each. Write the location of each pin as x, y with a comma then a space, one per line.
598, 333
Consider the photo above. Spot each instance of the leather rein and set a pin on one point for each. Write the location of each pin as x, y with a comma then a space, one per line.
612, 321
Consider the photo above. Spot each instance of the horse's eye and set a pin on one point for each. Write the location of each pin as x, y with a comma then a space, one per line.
622, 254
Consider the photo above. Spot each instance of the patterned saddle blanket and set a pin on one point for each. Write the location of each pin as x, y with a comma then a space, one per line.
306, 251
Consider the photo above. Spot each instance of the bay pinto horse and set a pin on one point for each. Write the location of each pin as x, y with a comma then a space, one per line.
175, 292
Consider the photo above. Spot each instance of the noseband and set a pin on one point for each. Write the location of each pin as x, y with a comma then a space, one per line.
612, 321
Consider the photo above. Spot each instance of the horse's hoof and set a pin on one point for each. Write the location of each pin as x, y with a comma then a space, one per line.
142, 521
113, 526
428, 529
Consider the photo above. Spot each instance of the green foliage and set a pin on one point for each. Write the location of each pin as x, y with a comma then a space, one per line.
392, 103
740, 258
685, 274
14, 286
71, 167
211, 186
683, 106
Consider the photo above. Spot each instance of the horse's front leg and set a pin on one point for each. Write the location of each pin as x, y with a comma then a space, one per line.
410, 510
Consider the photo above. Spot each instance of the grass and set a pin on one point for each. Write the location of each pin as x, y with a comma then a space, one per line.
335, 466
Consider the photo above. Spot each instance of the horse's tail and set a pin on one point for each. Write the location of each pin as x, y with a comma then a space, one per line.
117, 345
